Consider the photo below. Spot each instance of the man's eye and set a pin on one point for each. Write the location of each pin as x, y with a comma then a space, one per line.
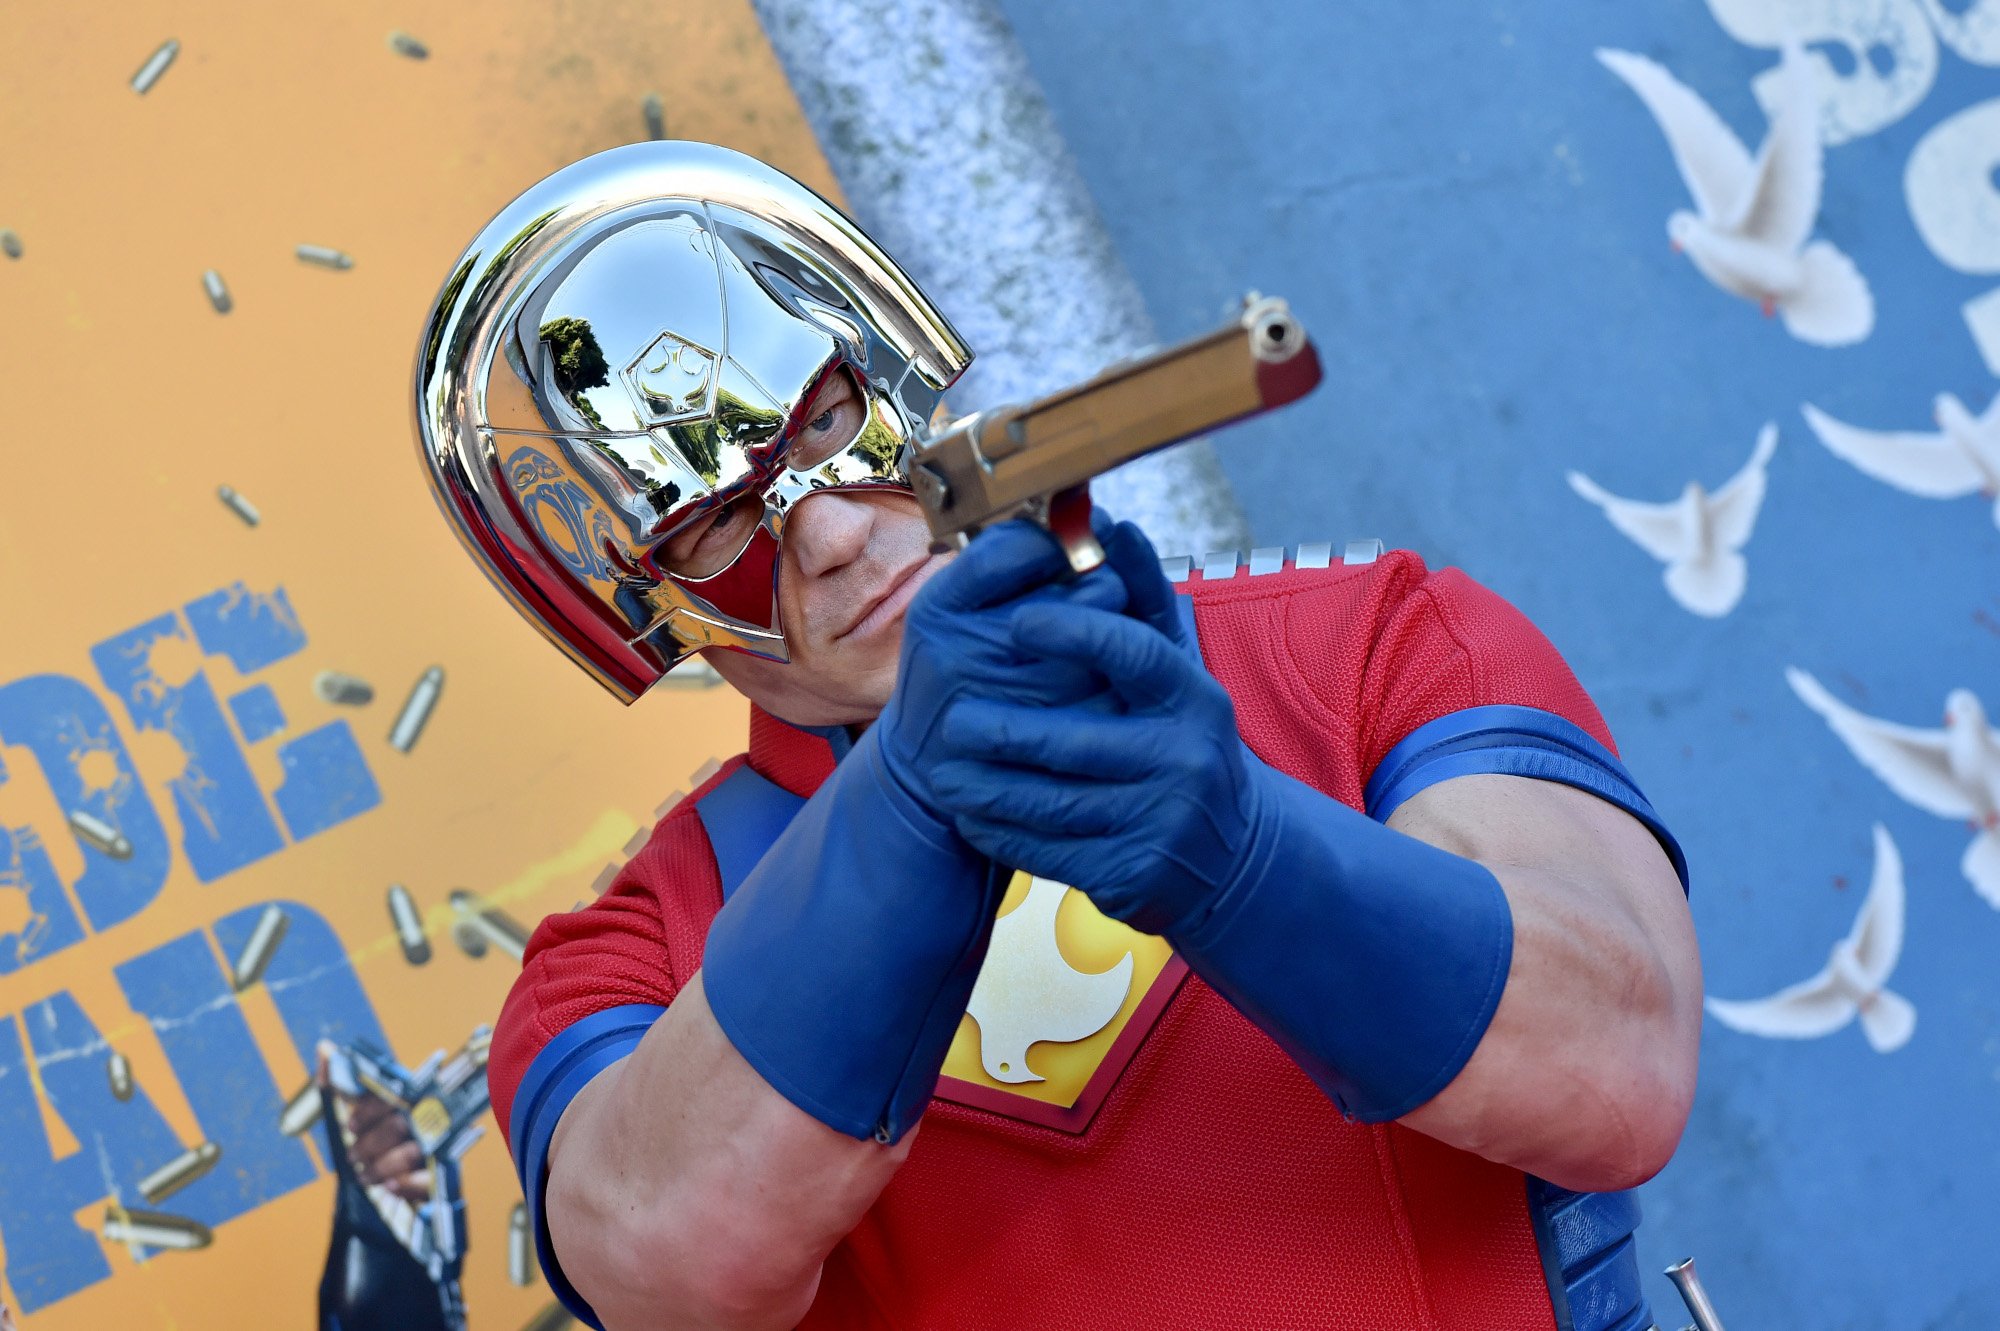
696, 533
709, 543
724, 518
823, 421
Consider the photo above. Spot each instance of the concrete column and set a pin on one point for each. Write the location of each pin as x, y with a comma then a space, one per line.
950, 157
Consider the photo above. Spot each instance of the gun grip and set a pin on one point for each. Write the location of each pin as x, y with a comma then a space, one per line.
1069, 522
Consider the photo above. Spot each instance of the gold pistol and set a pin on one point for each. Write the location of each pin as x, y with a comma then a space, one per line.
1036, 460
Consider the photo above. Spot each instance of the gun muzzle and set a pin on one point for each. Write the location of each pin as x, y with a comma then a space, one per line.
1036, 460
1692, 1294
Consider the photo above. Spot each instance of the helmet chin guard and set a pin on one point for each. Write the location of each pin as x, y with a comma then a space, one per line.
624, 352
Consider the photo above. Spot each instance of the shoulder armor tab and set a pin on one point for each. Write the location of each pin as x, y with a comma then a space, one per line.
1362, 552
1217, 565
1221, 565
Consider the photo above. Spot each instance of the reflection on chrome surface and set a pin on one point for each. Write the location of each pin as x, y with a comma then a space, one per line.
626, 349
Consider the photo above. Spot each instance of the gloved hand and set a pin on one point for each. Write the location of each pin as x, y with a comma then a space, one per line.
958, 640
1143, 796
841, 966
1372, 958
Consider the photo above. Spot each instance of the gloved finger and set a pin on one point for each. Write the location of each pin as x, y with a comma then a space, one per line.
966, 638
1099, 589
1102, 524
1000, 563
1034, 799
1056, 858
1144, 665
1093, 742
1151, 597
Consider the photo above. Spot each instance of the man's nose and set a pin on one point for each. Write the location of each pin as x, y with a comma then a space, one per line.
828, 533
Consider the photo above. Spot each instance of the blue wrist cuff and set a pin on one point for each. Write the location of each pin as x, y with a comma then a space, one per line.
1374, 959
566, 1064
841, 967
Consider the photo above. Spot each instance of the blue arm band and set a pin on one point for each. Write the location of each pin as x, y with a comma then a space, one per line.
1375, 960
566, 1064
841, 966
1511, 741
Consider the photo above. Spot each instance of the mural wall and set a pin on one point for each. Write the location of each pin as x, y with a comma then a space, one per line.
1676, 324
282, 779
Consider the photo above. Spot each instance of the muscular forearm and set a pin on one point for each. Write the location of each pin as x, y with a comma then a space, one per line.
1586, 1072
684, 1192
756, 1121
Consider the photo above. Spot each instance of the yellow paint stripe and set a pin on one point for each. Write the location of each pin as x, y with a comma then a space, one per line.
604, 841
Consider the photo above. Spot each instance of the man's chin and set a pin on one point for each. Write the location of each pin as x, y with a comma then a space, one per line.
830, 684
863, 675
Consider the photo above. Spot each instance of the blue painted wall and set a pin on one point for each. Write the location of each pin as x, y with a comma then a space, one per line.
1470, 213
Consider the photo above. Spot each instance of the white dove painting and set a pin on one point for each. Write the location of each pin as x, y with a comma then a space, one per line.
1752, 219
1700, 536
1961, 458
1853, 981
1953, 772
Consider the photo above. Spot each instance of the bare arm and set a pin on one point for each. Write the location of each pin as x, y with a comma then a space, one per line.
684, 1192
1587, 1072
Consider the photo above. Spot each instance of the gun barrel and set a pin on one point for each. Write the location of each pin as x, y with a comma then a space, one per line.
998, 463
1696, 1298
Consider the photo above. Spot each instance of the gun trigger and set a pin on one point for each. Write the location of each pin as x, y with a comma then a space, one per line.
1069, 521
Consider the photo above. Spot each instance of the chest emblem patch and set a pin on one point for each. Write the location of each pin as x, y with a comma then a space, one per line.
1064, 1000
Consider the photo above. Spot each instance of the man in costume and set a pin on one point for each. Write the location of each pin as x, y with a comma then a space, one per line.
1372, 987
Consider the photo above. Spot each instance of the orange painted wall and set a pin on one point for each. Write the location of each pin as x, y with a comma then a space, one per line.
125, 400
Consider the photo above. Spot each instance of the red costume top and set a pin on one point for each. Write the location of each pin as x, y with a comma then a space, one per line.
1200, 1179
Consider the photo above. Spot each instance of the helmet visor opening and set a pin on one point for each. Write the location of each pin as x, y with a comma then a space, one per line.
710, 542
829, 422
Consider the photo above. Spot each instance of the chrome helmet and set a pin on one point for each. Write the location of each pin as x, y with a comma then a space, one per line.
625, 352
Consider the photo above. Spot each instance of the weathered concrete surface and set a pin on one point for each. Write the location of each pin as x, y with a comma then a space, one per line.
949, 156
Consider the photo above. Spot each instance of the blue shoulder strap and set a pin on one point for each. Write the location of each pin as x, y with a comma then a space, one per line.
1589, 1258
743, 815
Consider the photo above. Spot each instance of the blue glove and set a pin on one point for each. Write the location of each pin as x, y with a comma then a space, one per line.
842, 964
1059, 792
958, 640
1374, 959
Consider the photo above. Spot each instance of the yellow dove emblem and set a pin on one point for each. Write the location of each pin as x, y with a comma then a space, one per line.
1028, 992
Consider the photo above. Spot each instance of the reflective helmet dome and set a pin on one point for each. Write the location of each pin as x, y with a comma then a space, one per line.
610, 386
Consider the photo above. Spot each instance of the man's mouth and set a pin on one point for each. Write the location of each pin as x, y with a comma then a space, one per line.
897, 593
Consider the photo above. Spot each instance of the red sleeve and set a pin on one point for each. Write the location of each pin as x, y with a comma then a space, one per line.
1451, 644
635, 944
